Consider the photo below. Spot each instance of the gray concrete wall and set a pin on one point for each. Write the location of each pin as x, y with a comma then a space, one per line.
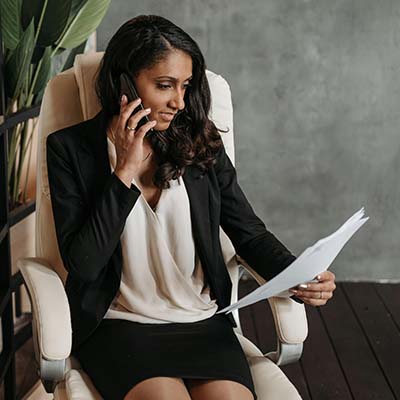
316, 94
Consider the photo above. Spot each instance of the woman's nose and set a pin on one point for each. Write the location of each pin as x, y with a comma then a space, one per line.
177, 101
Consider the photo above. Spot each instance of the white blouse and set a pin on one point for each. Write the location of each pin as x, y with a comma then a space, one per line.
162, 277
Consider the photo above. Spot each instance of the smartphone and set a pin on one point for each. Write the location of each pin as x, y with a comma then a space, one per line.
128, 88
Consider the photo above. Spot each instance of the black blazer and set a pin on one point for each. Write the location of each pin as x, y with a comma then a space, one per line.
90, 205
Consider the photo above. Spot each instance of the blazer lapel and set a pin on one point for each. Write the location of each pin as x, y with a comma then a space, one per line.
197, 190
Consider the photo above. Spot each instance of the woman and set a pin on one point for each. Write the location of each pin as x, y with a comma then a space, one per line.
137, 215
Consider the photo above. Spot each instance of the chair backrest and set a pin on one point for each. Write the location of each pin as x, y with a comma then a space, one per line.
70, 98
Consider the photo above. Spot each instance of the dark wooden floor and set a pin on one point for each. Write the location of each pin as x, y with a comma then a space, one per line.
25, 367
353, 346
352, 350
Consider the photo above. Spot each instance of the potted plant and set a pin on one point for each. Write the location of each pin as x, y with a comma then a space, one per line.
39, 39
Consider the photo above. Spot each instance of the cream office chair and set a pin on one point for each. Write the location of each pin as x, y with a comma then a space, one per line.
69, 99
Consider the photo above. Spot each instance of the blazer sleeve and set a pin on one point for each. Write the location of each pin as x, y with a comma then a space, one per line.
86, 236
249, 236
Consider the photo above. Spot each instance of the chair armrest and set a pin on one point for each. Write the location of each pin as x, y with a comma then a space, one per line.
51, 323
290, 324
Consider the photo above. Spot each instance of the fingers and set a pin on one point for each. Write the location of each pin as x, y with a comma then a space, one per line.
315, 302
317, 294
126, 110
314, 298
304, 294
326, 282
326, 276
141, 132
326, 286
134, 120
127, 119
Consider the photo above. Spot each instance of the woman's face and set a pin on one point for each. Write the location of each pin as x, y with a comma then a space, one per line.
163, 87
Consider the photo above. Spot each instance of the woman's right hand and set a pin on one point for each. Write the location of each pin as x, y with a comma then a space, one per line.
128, 143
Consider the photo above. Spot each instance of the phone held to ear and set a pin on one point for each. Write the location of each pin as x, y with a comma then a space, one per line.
128, 88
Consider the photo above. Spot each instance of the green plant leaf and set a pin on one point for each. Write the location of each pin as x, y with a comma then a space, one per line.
10, 11
54, 20
76, 6
29, 10
59, 51
84, 23
38, 97
17, 65
72, 54
37, 54
44, 71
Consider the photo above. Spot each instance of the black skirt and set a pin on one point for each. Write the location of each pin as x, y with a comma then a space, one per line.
120, 354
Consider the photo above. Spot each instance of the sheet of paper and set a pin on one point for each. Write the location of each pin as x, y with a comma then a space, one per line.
312, 261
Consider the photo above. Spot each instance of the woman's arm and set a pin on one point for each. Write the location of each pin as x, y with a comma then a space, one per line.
86, 237
255, 244
249, 236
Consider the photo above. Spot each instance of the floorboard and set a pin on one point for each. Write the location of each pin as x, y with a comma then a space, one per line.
320, 364
361, 369
390, 295
353, 344
379, 328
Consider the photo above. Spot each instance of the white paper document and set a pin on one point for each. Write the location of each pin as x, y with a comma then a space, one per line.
307, 266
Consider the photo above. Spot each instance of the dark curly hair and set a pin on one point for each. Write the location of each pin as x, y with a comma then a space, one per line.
191, 138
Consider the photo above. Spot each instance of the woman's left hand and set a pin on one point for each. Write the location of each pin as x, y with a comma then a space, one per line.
316, 294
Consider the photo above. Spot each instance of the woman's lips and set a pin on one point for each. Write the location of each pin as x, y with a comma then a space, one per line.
167, 116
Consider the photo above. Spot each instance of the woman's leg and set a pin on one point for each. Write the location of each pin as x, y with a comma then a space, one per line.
159, 388
216, 389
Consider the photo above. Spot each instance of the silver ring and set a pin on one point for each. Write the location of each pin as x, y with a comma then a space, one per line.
130, 128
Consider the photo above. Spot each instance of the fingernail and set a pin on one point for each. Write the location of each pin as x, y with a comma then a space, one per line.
294, 291
319, 277
303, 285
123, 99
147, 109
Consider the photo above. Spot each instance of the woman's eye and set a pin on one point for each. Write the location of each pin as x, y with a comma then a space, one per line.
163, 86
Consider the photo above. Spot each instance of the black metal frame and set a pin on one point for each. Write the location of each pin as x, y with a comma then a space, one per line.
9, 283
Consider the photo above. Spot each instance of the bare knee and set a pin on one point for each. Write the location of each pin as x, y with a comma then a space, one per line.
216, 389
159, 388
